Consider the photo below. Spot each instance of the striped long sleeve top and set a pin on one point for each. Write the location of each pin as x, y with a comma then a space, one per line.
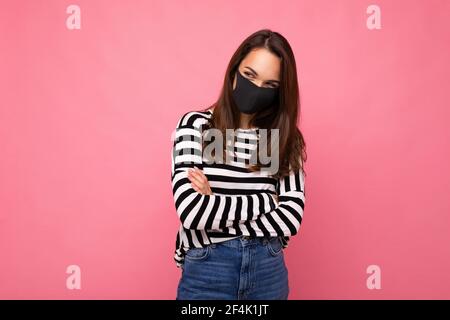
242, 202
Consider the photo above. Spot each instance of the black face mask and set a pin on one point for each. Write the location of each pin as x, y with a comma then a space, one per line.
250, 98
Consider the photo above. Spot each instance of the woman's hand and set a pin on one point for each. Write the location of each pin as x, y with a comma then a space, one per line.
199, 181
275, 196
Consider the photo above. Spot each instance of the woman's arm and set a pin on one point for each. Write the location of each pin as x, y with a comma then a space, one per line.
201, 211
284, 220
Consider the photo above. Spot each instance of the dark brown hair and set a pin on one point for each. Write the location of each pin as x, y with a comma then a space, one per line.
283, 114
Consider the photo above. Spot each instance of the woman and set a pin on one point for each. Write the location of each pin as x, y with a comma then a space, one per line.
236, 216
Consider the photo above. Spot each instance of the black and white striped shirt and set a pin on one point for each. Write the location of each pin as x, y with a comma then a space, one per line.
242, 202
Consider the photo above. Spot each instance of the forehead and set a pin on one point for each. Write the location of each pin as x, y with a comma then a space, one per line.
264, 62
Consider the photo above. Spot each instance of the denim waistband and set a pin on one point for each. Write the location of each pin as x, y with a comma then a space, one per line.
243, 241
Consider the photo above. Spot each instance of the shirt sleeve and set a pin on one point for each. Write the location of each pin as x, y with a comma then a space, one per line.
285, 220
207, 212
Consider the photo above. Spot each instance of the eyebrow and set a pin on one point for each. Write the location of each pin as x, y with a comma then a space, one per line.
256, 74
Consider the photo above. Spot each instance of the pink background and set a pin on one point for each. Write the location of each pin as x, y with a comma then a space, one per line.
86, 118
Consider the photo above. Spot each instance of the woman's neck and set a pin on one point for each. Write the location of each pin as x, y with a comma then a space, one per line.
244, 119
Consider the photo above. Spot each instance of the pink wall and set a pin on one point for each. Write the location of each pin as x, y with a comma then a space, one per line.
86, 117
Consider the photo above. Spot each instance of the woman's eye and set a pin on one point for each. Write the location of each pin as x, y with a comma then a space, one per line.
248, 74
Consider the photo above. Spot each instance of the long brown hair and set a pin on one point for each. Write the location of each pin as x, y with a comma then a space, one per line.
282, 115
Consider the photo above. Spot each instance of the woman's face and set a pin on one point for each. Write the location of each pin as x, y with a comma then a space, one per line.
261, 67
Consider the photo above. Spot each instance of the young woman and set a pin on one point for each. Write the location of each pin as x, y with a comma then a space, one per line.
236, 217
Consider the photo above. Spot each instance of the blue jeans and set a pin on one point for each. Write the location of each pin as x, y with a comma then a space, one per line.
236, 269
